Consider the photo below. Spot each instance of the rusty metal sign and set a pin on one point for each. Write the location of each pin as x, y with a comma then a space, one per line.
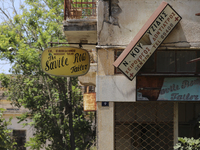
148, 39
89, 102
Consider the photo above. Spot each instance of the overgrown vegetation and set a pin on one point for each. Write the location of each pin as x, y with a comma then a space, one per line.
6, 141
188, 144
185, 143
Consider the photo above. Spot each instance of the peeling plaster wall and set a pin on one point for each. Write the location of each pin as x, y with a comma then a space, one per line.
118, 25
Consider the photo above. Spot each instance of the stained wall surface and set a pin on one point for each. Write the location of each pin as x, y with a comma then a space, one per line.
118, 24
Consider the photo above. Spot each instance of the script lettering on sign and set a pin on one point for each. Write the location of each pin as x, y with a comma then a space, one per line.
173, 89
147, 40
65, 61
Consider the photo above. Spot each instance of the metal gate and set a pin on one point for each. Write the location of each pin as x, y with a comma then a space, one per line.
144, 126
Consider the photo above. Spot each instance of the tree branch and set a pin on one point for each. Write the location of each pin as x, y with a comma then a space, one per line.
7, 16
53, 79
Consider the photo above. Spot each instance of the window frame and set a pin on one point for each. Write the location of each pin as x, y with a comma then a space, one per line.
175, 73
20, 146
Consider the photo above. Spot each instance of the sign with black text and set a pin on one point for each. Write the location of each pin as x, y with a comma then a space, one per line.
65, 61
148, 39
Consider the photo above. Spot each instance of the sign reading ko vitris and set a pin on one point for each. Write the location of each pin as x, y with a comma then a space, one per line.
65, 61
148, 39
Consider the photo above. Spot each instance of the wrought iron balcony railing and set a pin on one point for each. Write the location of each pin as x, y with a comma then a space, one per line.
80, 9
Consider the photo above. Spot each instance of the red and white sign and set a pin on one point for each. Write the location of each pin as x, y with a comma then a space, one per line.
148, 39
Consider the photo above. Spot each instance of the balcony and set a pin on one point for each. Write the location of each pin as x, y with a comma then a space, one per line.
80, 9
80, 24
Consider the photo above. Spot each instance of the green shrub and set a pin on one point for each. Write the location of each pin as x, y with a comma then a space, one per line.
187, 144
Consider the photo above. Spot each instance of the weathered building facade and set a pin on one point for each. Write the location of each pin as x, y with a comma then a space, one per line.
20, 133
162, 102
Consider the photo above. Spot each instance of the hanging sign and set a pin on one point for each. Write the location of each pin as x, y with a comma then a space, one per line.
89, 102
148, 39
65, 61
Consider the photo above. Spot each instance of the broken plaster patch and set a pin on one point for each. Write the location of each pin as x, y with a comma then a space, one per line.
112, 12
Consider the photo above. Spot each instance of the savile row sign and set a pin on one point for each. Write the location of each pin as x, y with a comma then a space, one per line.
148, 39
65, 61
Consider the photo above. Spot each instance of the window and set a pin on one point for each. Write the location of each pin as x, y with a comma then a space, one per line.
172, 62
20, 138
182, 58
169, 62
165, 61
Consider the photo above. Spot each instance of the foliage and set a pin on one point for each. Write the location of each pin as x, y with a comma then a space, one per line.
54, 103
6, 141
188, 144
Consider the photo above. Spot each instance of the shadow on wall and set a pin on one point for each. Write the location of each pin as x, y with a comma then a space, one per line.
177, 37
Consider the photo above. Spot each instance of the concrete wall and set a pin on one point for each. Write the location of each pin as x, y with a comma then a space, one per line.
112, 87
127, 18
116, 88
105, 61
105, 129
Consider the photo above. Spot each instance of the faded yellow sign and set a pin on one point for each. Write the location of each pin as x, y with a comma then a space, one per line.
65, 61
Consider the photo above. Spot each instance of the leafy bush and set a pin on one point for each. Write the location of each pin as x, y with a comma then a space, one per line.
187, 144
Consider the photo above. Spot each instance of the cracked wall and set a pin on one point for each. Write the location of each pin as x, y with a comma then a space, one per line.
120, 22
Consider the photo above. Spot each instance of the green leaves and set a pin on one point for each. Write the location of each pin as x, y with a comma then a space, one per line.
187, 144
6, 141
